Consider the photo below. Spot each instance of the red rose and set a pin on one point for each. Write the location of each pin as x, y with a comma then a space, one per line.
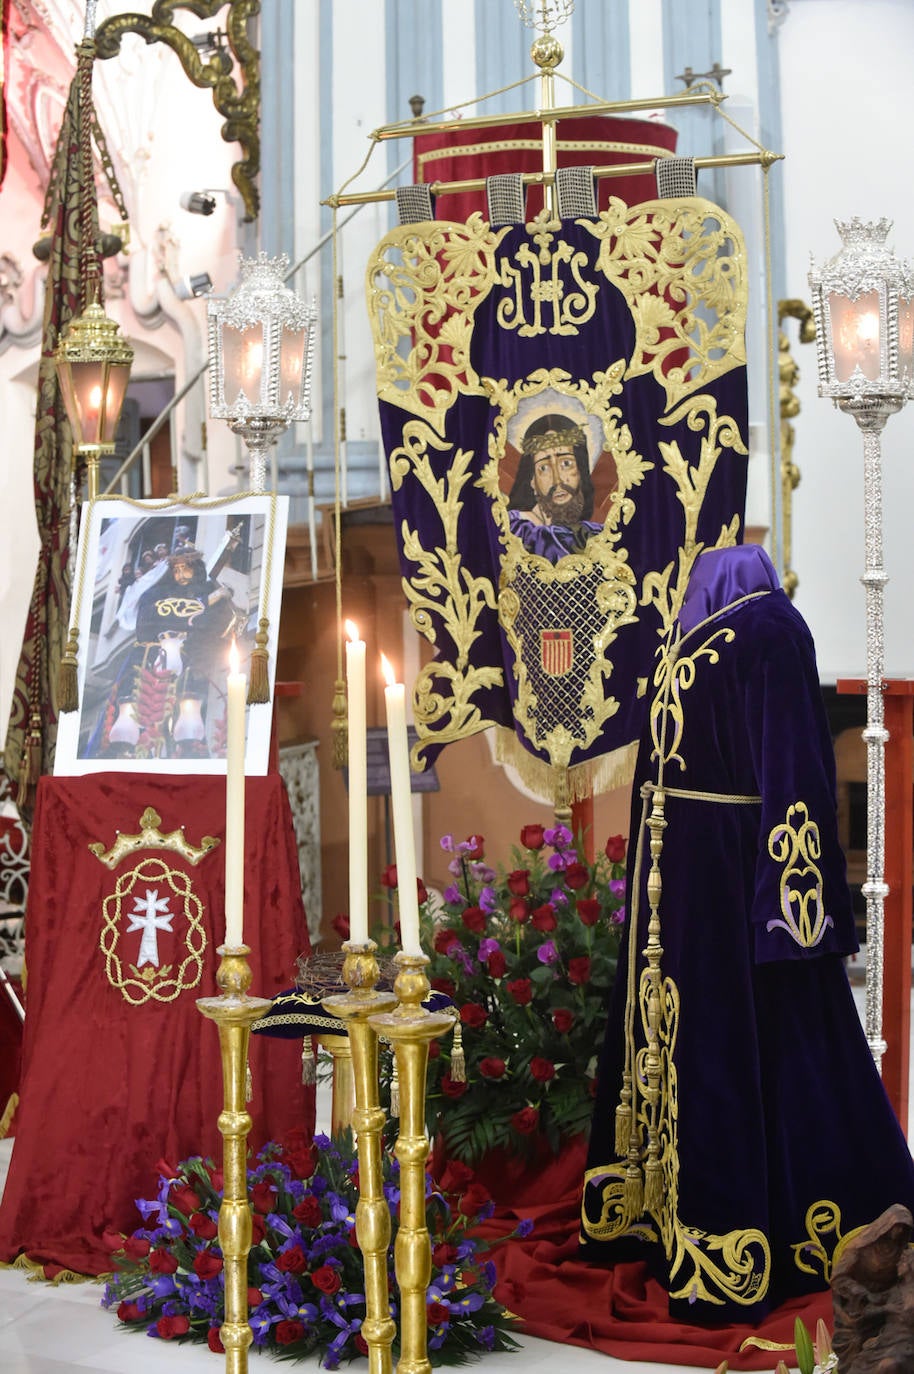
444, 1253
255, 1298
129, 1312
544, 918
532, 836
615, 848
477, 847
360, 1343
563, 1020
473, 1015
496, 964
326, 1279
444, 939
207, 1264
542, 1069
215, 1177
526, 1121
450, 1088
308, 1212
521, 991
518, 910
340, 924
203, 1226
165, 1169
214, 1341
300, 1152
576, 876
474, 918
263, 1195
184, 1199
436, 1313
456, 1176
421, 891
291, 1261
434, 1049
492, 1067
579, 970
473, 1200
445, 985
519, 882
288, 1332
169, 1327
136, 1247
258, 1229
389, 876
588, 910
162, 1262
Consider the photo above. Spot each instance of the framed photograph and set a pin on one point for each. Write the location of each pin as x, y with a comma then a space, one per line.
161, 592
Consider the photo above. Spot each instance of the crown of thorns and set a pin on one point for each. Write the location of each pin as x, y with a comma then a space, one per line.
554, 438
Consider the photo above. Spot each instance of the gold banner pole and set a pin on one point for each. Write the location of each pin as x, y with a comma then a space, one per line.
234, 1013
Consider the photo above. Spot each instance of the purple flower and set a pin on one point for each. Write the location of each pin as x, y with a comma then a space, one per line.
455, 867
617, 888
487, 947
617, 917
558, 862
558, 898
488, 900
466, 1249
486, 1337
447, 843
471, 1303
547, 952
489, 1274
559, 836
524, 1227
482, 873
452, 894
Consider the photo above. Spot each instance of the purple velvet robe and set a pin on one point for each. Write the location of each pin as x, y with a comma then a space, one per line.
762, 1117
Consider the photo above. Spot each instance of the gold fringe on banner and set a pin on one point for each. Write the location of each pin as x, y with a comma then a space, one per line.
259, 684
67, 678
585, 780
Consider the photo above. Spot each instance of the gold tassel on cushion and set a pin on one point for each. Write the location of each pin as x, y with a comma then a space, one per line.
339, 726
259, 683
308, 1064
458, 1062
67, 680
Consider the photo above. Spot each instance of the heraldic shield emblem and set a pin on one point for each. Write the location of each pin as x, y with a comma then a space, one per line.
153, 908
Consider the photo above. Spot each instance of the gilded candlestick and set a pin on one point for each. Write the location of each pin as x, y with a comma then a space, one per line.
372, 1216
411, 1029
234, 1013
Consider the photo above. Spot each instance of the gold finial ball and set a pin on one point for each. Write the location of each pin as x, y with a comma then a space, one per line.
547, 52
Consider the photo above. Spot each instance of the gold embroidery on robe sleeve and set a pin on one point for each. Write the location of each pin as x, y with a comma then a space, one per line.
794, 843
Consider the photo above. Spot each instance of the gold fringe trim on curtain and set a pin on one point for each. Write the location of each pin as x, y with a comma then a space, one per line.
589, 779
36, 1271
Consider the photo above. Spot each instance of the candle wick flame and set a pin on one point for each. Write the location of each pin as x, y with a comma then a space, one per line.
352, 631
234, 659
387, 670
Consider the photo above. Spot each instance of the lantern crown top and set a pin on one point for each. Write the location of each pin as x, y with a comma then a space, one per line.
94, 337
861, 231
262, 295
864, 261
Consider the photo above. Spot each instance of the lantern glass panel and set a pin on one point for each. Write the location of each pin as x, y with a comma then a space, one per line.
292, 348
86, 388
115, 391
855, 331
906, 338
243, 357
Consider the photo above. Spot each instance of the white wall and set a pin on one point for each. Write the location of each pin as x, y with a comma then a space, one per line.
846, 79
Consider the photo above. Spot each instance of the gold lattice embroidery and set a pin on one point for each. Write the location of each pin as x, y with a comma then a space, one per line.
681, 266
424, 286
794, 843
148, 981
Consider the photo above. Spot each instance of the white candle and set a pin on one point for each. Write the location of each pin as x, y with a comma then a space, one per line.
401, 805
358, 787
234, 806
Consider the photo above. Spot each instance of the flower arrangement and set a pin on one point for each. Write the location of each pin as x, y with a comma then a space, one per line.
305, 1275
813, 1356
528, 955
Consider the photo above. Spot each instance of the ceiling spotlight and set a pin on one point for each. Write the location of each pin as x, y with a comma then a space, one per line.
198, 202
188, 287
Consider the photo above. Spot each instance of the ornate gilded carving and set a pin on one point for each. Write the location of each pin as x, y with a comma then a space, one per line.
424, 287
151, 837
788, 376
147, 980
238, 105
681, 266
794, 843
550, 293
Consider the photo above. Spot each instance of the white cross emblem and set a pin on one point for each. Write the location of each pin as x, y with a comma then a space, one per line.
150, 916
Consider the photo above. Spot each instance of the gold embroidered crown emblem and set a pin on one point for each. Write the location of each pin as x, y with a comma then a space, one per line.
151, 837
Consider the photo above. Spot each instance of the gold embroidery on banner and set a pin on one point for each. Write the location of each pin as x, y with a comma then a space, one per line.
681, 266
160, 985
151, 837
819, 1253
598, 584
794, 843
424, 285
544, 280
441, 587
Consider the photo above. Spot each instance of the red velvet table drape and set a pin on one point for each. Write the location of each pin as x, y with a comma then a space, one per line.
119, 1067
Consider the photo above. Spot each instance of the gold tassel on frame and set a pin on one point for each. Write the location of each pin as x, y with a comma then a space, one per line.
308, 1063
340, 726
458, 1061
67, 679
30, 761
259, 684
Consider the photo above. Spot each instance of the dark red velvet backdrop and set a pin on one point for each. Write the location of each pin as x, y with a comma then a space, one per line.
109, 1088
